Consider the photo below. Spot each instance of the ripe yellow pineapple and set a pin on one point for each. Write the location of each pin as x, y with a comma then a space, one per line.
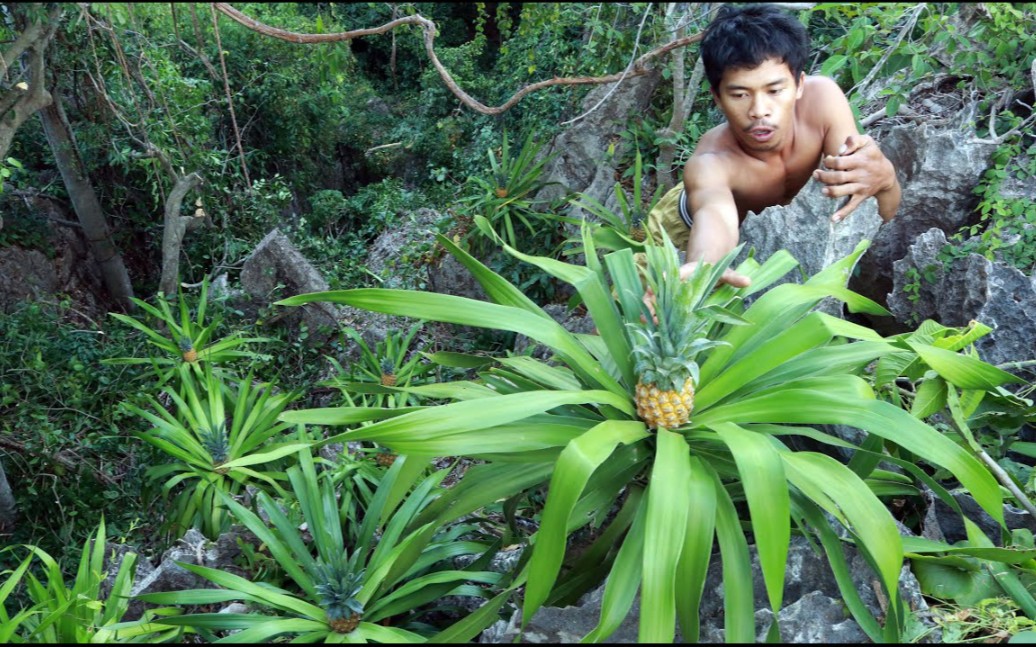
667, 344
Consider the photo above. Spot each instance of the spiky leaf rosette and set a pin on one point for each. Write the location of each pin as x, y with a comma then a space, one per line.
667, 345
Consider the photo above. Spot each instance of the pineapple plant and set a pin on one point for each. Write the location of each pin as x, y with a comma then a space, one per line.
187, 350
337, 591
668, 340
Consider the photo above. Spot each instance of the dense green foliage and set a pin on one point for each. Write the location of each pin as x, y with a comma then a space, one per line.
336, 143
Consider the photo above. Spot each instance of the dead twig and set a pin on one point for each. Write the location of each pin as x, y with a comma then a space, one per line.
638, 67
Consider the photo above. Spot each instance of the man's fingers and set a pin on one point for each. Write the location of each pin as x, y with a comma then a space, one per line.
832, 177
847, 208
730, 277
854, 143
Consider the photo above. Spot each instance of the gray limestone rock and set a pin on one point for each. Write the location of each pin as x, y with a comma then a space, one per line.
938, 171
971, 288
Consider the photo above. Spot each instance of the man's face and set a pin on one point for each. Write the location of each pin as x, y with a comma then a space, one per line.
759, 104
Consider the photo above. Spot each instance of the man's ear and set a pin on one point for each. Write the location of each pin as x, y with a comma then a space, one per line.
715, 95
801, 86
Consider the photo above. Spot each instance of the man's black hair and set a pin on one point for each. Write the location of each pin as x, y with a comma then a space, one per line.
745, 36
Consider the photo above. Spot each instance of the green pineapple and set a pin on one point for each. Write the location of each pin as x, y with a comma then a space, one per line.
337, 589
500, 179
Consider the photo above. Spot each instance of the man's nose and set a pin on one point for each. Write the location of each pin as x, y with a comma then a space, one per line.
760, 107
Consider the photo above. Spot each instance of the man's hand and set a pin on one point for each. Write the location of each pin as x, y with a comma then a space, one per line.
859, 171
730, 277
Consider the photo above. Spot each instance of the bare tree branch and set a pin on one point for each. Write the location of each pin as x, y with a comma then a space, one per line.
22, 101
175, 228
230, 101
638, 67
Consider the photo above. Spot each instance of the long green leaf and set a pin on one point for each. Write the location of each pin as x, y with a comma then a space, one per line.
834, 404
469, 312
468, 419
668, 506
573, 469
267, 456
599, 304
766, 489
620, 589
738, 596
961, 370
498, 289
867, 515
270, 596
697, 550
839, 566
816, 329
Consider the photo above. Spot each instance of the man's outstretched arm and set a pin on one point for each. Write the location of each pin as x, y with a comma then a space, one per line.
716, 223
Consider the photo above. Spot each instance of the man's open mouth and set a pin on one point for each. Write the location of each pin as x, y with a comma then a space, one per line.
761, 133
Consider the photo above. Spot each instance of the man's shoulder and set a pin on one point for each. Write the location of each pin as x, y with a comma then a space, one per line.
821, 89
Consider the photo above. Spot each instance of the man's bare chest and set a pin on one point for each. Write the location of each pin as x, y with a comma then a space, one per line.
768, 185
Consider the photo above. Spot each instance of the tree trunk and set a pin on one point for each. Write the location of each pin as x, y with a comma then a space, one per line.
22, 99
84, 201
683, 99
8, 508
175, 228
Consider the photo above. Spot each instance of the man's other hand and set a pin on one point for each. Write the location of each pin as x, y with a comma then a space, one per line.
859, 171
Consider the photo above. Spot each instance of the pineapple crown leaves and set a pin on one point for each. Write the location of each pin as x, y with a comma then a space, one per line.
216, 442
666, 346
338, 584
674, 296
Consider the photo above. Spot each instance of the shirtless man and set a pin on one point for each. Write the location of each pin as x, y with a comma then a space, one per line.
782, 128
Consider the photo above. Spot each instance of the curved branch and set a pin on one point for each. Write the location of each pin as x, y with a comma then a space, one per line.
638, 67
175, 227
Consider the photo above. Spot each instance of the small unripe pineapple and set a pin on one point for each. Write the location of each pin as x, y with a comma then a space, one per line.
501, 185
637, 231
337, 590
388, 375
344, 625
187, 350
385, 458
